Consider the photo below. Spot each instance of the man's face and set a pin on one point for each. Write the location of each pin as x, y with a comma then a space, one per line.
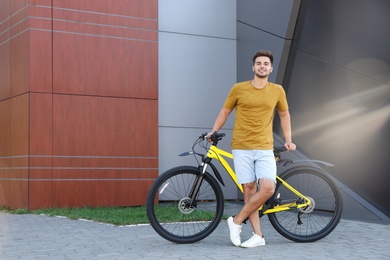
262, 67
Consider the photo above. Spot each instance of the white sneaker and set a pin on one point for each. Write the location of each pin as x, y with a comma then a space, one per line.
254, 241
235, 231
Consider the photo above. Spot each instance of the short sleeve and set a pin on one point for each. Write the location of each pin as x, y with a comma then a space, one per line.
231, 100
282, 104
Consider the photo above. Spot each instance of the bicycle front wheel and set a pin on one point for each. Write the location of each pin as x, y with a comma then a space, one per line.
318, 219
169, 209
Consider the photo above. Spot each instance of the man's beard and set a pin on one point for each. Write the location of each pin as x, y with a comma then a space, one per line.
261, 76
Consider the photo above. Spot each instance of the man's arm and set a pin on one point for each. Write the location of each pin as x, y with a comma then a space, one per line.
221, 119
286, 127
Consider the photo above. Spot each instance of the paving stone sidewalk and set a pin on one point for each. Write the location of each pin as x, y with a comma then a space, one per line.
41, 237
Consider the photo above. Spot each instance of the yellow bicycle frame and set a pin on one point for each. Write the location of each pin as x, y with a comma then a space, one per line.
219, 154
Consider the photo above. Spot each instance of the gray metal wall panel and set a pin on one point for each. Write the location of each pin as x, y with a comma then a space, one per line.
215, 18
195, 76
197, 68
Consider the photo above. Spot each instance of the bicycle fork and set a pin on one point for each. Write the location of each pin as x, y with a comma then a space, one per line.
196, 186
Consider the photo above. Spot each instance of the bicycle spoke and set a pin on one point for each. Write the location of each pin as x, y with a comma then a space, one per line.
316, 220
174, 217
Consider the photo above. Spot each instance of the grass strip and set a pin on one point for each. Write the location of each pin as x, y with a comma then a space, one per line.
112, 215
119, 216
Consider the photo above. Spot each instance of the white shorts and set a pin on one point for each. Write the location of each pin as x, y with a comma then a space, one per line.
252, 165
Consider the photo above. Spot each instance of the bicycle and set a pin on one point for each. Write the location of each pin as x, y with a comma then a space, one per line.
185, 204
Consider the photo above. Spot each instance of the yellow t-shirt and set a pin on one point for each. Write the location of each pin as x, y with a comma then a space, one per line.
254, 114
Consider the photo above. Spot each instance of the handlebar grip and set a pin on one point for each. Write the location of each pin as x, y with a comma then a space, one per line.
214, 136
280, 149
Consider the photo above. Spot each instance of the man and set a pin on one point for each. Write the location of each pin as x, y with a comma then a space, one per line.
252, 143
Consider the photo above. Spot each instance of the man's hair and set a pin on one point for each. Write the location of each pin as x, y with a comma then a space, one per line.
265, 54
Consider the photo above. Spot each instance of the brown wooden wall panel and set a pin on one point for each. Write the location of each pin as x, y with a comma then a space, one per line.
144, 8
41, 61
102, 173
41, 124
78, 102
40, 193
18, 194
133, 192
17, 5
71, 20
18, 163
5, 68
102, 126
100, 193
14, 138
119, 162
4, 192
5, 53
105, 49
5, 129
104, 66
40, 22
19, 63
5, 11
99, 24
5, 150
41, 2
81, 193
19, 110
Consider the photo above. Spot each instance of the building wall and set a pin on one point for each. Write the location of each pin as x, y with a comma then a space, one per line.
197, 67
78, 102
339, 90
205, 47
99, 97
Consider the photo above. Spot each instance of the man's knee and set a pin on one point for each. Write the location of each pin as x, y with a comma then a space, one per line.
267, 187
249, 190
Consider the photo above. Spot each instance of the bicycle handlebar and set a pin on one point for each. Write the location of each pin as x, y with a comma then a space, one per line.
279, 149
214, 137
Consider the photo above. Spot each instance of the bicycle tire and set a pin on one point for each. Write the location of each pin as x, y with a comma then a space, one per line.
314, 223
178, 223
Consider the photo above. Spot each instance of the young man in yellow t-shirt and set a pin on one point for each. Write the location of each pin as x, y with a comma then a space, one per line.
252, 144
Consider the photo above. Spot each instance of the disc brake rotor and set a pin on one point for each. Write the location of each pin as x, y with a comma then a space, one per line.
309, 208
184, 206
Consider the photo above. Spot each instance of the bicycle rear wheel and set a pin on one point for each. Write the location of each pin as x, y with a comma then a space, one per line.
169, 211
318, 219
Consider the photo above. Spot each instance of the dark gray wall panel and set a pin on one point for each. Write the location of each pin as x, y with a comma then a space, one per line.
338, 81
264, 25
275, 17
252, 40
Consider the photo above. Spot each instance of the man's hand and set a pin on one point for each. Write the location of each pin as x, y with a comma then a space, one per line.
209, 135
290, 146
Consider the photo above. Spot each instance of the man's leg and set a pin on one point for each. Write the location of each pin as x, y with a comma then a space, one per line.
249, 190
250, 209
